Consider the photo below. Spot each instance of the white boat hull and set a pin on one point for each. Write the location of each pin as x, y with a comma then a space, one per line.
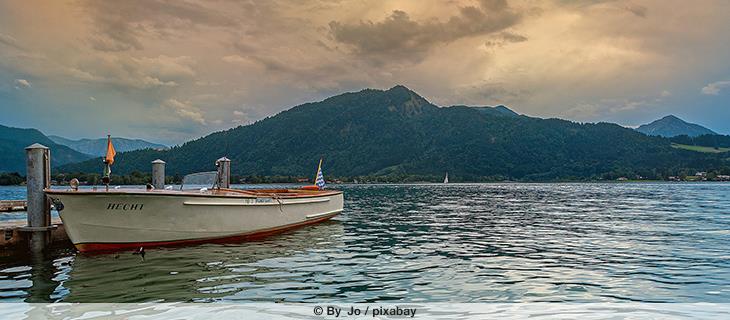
117, 220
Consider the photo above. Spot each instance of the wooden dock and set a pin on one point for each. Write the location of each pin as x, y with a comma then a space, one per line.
38, 231
13, 205
34, 234
12, 236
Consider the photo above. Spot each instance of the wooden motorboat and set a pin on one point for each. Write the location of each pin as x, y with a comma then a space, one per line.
117, 219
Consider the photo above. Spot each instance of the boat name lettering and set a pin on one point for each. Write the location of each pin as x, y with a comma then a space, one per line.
125, 206
257, 200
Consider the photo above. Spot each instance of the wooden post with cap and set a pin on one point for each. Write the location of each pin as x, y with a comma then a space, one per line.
224, 172
158, 174
38, 177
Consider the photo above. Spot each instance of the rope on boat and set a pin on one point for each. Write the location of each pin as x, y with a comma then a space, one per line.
276, 197
281, 204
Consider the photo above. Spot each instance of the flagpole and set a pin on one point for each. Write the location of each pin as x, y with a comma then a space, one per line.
106, 179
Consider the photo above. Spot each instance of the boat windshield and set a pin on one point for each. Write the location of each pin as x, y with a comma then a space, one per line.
200, 180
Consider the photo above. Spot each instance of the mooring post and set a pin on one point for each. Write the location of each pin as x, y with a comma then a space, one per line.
158, 174
224, 172
38, 177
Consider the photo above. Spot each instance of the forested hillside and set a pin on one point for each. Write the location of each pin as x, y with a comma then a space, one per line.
397, 132
12, 149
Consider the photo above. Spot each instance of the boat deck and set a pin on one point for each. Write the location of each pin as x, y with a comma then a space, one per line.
225, 193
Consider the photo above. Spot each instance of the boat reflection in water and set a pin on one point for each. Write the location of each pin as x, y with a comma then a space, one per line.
263, 270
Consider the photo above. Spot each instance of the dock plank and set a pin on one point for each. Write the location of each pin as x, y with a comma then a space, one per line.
16, 223
12, 239
13, 205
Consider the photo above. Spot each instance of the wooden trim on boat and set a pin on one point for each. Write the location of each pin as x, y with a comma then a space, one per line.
317, 215
222, 193
116, 246
273, 203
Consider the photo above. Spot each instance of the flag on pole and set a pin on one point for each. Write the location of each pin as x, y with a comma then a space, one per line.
108, 160
319, 181
110, 152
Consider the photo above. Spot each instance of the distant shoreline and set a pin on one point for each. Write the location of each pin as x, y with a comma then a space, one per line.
139, 178
425, 183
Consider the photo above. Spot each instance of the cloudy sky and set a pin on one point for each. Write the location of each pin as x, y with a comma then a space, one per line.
169, 71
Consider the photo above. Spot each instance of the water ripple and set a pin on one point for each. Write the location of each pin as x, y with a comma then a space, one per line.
435, 243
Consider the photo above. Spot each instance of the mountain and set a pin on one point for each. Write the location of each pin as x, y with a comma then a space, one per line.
499, 110
12, 149
397, 132
97, 147
671, 126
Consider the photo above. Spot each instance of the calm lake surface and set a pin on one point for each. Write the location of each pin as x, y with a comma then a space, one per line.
431, 243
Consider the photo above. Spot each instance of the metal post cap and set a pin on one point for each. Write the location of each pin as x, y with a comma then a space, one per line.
35, 146
158, 161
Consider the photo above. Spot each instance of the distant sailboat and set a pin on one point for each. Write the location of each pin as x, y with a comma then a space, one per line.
446, 179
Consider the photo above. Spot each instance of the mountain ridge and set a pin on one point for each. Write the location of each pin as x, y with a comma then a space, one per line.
498, 110
672, 126
398, 132
12, 149
97, 147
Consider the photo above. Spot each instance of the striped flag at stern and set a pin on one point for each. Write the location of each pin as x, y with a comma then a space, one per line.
319, 181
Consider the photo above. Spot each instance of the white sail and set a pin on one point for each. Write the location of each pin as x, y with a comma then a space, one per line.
446, 179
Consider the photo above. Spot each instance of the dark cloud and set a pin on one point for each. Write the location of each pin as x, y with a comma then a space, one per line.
504, 38
115, 35
637, 10
120, 24
492, 93
8, 40
316, 77
400, 37
512, 37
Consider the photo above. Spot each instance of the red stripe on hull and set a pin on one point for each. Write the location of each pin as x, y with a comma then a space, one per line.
102, 247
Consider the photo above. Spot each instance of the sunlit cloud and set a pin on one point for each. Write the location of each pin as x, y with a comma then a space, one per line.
185, 110
715, 87
191, 65
22, 84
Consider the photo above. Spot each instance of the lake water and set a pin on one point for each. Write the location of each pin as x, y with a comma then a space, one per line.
431, 243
